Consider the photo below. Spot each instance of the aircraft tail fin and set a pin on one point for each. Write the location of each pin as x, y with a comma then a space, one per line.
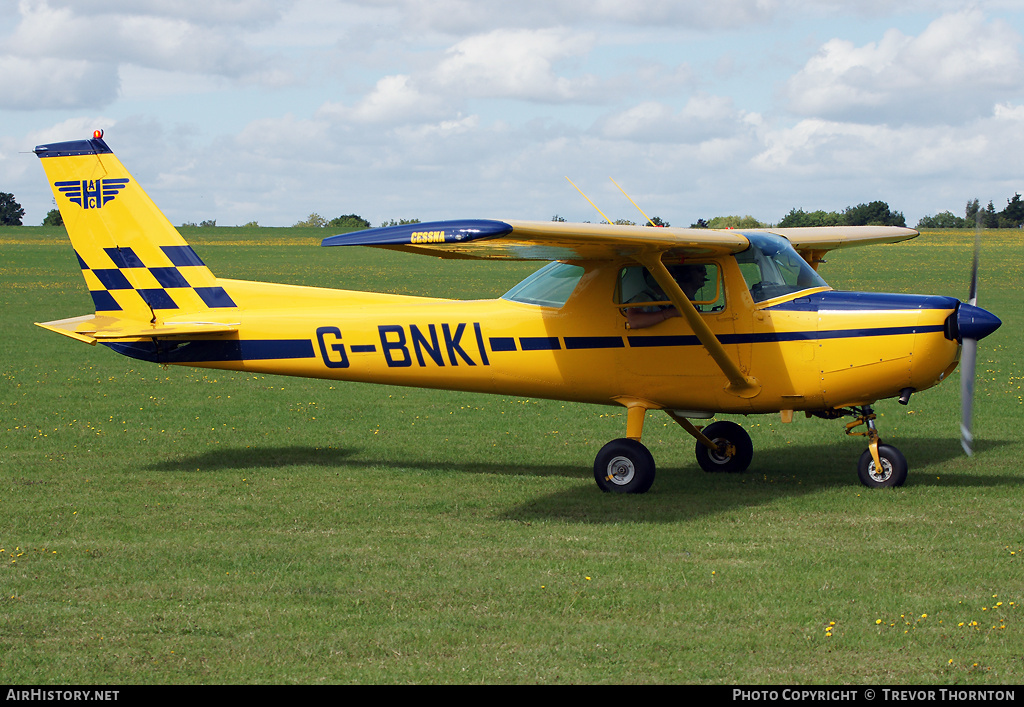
135, 263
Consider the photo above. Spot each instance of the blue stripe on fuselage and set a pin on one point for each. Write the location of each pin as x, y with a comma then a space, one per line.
203, 351
781, 336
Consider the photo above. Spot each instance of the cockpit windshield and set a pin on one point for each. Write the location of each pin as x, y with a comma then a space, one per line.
771, 268
550, 286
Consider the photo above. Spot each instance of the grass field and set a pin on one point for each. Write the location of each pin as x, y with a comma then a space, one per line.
189, 526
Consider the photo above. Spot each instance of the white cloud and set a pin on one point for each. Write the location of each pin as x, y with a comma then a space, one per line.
394, 99
516, 64
477, 16
94, 39
230, 13
32, 84
956, 69
703, 118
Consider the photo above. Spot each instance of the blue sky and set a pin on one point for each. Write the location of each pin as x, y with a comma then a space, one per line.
268, 111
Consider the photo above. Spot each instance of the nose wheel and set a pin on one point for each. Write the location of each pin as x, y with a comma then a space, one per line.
889, 471
881, 465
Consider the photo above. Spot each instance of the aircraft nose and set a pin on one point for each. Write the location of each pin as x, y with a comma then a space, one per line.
975, 323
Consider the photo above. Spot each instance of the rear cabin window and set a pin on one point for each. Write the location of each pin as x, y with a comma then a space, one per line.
551, 286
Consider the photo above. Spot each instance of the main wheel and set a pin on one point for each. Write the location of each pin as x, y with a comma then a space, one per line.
624, 466
735, 450
893, 471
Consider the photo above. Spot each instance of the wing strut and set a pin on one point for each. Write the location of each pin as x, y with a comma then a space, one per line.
739, 385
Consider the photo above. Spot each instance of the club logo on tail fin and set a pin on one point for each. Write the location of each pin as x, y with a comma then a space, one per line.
91, 193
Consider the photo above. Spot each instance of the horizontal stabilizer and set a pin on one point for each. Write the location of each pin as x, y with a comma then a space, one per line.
92, 328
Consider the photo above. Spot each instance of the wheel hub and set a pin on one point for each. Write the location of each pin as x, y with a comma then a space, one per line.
620, 471
884, 474
724, 452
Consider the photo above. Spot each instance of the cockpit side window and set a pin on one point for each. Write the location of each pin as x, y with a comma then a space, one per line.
701, 282
771, 268
551, 286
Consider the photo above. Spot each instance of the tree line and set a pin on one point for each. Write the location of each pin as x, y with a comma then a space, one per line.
12, 213
975, 216
878, 213
875, 213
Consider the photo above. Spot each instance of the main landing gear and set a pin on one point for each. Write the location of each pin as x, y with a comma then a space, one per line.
626, 466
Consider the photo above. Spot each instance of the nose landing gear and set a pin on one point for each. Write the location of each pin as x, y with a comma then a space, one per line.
881, 465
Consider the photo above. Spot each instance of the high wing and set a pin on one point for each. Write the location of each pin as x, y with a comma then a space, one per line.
813, 243
833, 237
559, 240
542, 240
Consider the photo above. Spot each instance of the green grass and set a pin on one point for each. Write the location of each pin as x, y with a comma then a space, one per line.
192, 526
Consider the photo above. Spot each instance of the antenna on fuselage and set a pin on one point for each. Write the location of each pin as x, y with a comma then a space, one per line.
633, 203
588, 200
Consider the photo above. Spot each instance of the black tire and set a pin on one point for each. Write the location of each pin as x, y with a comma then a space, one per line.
894, 468
624, 466
726, 435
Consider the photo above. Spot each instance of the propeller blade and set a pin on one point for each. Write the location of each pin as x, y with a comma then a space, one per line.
968, 360
969, 356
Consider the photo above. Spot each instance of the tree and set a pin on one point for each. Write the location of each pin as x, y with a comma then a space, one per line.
659, 222
989, 217
53, 218
943, 219
876, 213
1013, 215
798, 218
558, 218
351, 221
399, 222
735, 222
700, 223
315, 220
971, 212
11, 212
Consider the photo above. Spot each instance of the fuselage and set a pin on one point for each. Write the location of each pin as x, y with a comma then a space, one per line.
813, 349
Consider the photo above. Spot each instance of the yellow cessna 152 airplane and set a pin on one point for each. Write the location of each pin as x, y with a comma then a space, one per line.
690, 321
